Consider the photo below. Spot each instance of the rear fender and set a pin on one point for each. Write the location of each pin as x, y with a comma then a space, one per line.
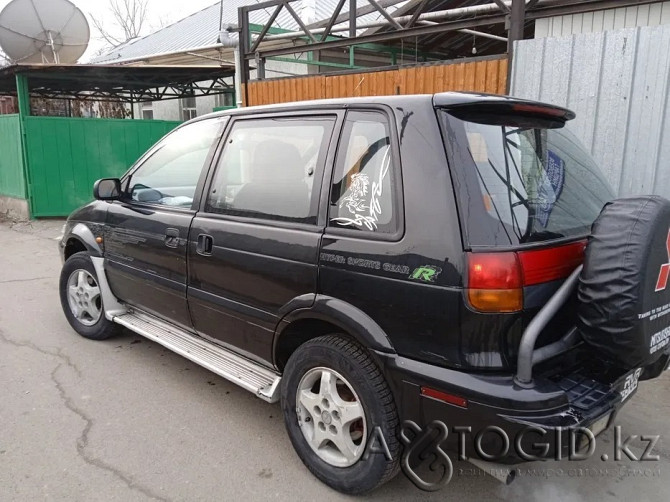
345, 316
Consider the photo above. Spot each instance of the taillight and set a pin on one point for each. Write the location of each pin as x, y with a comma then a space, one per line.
496, 280
551, 264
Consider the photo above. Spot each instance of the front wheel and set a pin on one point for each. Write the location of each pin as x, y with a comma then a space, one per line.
336, 405
81, 298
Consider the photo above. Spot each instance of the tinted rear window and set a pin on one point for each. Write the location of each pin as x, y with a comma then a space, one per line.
522, 180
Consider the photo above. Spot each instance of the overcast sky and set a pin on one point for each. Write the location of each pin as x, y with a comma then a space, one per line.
161, 12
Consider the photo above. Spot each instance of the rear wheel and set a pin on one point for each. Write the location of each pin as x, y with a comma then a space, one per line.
81, 298
336, 404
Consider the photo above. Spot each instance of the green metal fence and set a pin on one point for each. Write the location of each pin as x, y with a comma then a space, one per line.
12, 182
67, 155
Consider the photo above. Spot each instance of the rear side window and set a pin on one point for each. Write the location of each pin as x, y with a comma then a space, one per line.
362, 194
272, 168
522, 182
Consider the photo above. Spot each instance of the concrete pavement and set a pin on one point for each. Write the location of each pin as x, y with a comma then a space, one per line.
125, 419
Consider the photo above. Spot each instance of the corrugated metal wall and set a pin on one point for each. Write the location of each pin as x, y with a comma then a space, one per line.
11, 158
486, 75
617, 83
603, 20
67, 155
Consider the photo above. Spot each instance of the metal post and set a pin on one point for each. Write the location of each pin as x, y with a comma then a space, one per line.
515, 31
515, 24
352, 18
238, 77
515, 27
23, 95
243, 48
260, 67
23, 99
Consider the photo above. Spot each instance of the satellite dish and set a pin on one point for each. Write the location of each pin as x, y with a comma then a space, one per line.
43, 31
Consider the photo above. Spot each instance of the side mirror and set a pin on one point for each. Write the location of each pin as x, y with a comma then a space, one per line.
107, 189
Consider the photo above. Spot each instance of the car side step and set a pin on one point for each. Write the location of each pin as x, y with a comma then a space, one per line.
245, 373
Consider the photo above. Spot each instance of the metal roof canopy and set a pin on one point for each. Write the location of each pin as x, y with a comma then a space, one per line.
126, 84
446, 26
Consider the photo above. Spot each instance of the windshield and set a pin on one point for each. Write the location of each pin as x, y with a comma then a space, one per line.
522, 181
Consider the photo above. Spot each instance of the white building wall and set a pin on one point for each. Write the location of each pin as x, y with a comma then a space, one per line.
205, 105
604, 20
171, 109
166, 110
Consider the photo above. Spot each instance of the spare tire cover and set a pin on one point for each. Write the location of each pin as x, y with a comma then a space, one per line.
624, 288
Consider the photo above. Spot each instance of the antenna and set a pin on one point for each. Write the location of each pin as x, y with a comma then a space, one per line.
43, 31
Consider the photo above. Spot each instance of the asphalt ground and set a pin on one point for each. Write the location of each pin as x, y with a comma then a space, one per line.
125, 419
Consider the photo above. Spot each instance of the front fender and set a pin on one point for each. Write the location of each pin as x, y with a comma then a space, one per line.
85, 235
349, 318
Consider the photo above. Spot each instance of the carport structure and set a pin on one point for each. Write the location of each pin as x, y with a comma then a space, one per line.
48, 164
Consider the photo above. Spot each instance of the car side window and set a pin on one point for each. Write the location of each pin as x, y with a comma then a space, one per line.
362, 194
170, 175
271, 168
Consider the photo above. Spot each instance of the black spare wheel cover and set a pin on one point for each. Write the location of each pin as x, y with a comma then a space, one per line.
624, 288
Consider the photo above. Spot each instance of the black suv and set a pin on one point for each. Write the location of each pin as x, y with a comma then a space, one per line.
382, 265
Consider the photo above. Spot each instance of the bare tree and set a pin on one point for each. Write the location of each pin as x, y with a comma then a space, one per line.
128, 18
161, 21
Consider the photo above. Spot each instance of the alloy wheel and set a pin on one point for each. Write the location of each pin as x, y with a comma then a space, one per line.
331, 417
83, 295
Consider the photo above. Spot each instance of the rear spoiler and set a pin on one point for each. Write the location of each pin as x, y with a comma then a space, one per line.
488, 104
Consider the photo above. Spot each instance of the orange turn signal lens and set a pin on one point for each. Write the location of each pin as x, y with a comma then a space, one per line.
496, 300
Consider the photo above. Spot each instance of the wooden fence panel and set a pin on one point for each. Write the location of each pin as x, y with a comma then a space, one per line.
488, 75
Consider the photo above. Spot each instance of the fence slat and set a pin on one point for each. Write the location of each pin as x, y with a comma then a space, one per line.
479, 76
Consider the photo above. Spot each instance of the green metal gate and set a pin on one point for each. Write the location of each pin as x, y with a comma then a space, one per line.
48, 164
67, 155
12, 176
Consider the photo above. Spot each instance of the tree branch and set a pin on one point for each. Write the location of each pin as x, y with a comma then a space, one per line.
127, 20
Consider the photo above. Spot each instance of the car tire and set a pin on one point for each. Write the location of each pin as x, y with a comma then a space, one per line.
313, 400
81, 299
621, 302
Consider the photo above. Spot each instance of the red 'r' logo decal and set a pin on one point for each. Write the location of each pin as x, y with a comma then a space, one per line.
665, 269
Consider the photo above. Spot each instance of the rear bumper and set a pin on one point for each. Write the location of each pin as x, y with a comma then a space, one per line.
502, 421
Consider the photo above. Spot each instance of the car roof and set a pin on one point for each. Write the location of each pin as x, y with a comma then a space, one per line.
442, 99
328, 103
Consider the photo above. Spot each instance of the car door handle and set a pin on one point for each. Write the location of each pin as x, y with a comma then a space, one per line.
204, 245
171, 237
